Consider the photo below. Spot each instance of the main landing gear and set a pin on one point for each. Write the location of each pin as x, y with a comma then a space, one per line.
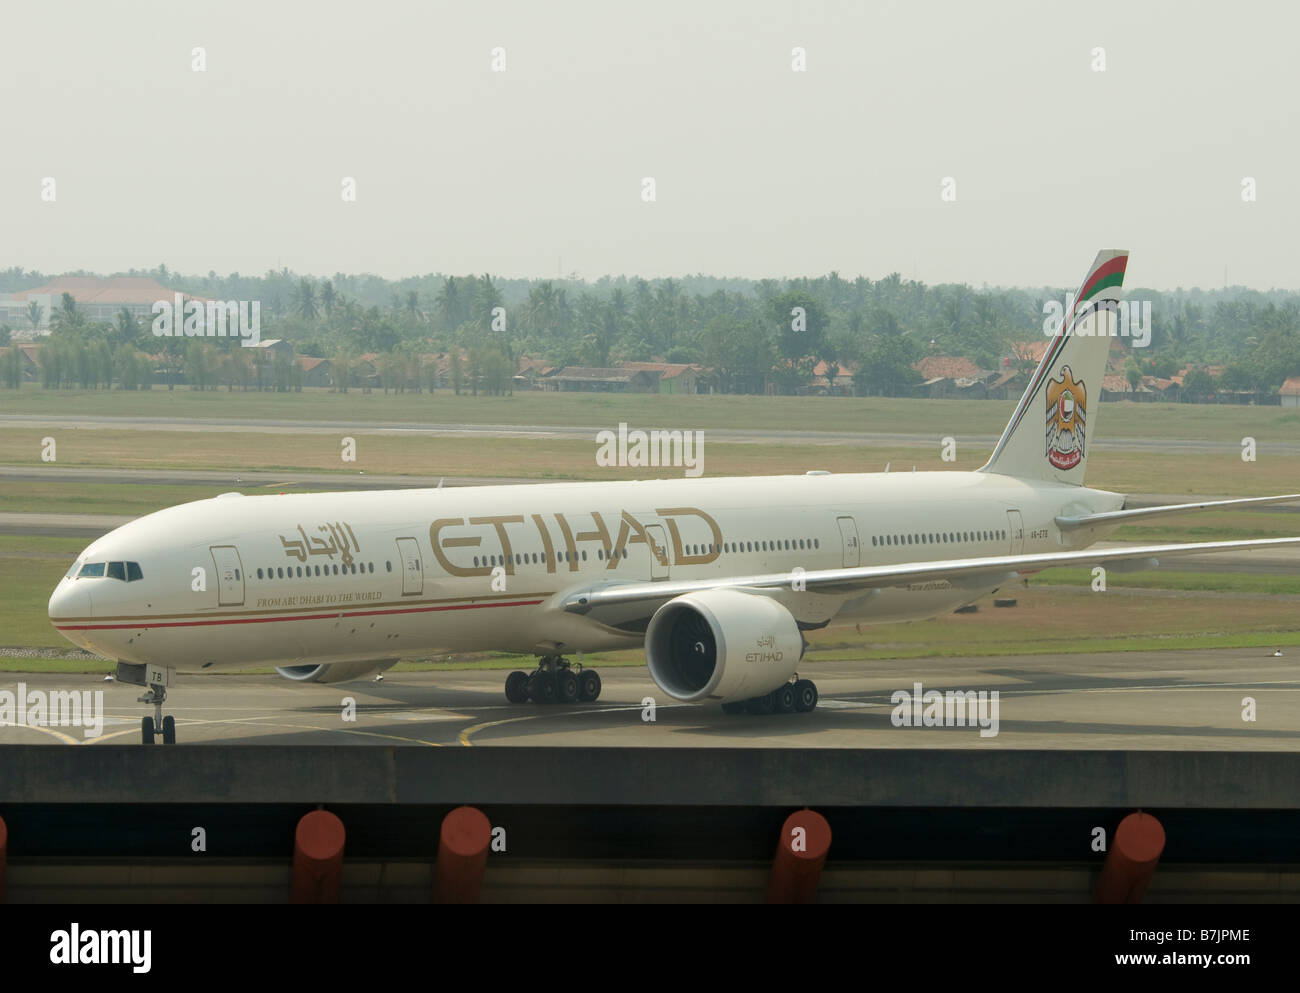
554, 681
798, 697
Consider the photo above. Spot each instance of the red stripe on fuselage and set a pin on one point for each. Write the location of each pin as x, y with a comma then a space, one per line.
300, 617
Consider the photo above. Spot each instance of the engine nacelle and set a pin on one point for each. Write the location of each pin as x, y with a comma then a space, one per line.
722, 645
337, 672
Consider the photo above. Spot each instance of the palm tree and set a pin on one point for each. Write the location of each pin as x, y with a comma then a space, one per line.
35, 314
449, 303
306, 299
127, 327
67, 317
486, 298
539, 310
327, 297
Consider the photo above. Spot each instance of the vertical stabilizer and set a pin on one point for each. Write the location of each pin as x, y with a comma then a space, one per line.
1049, 435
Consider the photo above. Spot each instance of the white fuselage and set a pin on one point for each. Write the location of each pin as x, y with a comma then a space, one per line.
334, 577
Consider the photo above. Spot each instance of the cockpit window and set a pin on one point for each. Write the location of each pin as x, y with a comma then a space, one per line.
127, 572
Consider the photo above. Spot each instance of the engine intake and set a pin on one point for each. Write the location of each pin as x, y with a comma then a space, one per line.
722, 645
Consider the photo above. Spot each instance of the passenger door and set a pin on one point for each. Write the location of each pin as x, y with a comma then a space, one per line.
1016, 528
230, 575
408, 560
658, 551
849, 540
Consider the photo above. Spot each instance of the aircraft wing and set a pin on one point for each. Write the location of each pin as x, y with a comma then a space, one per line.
861, 578
1125, 516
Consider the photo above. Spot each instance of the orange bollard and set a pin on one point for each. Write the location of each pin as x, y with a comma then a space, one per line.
1131, 861
4, 847
462, 856
800, 854
317, 858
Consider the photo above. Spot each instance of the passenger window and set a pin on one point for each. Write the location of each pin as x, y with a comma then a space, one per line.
389, 565
259, 573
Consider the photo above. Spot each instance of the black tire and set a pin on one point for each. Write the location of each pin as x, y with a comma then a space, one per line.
760, 705
805, 696
541, 687
783, 699
146, 730
588, 686
169, 730
517, 687
737, 707
566, 687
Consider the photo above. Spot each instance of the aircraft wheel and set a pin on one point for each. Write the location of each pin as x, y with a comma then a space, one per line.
517, 687
805, 695
541, 687
146, 730
566, 687
761, 705
783, 700
169, 730
736, 707
588, 686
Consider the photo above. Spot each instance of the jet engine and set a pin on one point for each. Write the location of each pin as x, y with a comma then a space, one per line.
336, 672
722, 645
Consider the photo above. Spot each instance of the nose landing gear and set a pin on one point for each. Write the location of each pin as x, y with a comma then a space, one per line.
151, 727
155, 679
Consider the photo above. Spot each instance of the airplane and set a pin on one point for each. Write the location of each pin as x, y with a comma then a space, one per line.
718, 578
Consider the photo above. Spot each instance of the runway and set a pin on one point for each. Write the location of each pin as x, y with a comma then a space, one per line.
588, 432
1120, 700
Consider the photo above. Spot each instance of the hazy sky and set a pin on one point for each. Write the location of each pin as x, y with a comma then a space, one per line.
759, 170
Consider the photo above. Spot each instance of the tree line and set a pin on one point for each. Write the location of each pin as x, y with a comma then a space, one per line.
752, 335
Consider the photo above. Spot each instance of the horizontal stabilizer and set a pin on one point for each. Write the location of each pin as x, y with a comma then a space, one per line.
1125, 516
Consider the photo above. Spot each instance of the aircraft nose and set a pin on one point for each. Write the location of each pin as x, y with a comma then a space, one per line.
70, 599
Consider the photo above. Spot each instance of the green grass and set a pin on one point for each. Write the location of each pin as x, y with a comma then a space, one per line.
1164, 579
30, 568
54, 497
847, 414
1214, 526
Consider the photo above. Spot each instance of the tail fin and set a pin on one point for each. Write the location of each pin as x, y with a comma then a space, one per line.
1049, 435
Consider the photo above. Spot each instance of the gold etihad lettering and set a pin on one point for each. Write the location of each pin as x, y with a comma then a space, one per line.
711, 552
340, 540
631, 531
